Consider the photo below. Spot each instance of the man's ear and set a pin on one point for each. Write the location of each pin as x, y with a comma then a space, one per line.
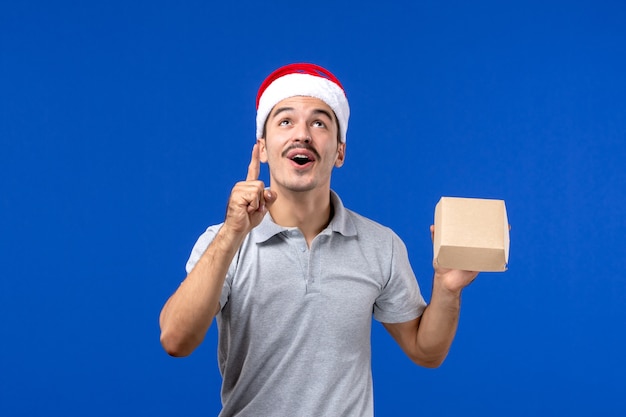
262, 150
341, 155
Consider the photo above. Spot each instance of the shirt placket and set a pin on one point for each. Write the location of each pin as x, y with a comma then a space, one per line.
308, 261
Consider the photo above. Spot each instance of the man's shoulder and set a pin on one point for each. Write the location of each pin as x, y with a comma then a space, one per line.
350, 222
366, 225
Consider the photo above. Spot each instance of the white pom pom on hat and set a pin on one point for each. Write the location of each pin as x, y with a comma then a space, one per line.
302, 79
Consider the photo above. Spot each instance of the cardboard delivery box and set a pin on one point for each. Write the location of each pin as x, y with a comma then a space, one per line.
471, 234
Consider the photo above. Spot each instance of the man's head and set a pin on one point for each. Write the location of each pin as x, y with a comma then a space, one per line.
302, 119
307, 80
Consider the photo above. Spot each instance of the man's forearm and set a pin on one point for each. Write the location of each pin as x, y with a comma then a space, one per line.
188, 314
439, 323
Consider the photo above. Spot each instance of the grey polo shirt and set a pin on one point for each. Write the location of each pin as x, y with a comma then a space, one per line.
295, 322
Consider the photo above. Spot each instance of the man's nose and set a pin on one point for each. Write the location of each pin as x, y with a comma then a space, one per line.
302, 134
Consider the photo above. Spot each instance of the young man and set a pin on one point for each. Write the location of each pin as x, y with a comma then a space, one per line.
293, 277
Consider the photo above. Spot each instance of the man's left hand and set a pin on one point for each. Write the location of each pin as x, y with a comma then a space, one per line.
453, 280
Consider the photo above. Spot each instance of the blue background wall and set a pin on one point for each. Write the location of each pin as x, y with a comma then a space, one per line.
123, 126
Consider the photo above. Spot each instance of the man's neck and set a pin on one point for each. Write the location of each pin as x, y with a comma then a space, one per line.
309, 211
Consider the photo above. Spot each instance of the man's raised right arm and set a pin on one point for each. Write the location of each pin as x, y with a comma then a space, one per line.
188, 313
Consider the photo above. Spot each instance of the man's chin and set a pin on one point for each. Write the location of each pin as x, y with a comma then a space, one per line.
301, 188
298, 187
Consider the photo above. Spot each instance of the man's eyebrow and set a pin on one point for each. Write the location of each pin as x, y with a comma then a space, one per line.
279, 110
322, 111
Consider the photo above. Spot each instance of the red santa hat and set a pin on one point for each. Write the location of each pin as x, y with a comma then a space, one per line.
302, 79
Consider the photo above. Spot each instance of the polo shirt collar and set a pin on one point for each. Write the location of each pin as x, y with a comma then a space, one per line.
341, 223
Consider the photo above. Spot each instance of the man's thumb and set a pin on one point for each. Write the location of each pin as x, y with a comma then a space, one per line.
270, 196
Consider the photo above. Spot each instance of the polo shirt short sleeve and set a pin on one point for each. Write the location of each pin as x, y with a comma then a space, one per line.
295, 321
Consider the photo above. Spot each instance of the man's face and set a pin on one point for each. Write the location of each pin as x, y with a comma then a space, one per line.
300, 144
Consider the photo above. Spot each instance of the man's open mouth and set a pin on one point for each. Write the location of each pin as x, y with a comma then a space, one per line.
301, 155
301, 159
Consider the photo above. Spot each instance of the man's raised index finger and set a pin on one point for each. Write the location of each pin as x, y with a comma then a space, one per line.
254, 168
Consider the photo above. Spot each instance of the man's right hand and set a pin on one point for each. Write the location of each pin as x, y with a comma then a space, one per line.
249, 200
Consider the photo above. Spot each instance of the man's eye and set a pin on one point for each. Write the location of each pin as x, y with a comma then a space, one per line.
283, 122
319, 123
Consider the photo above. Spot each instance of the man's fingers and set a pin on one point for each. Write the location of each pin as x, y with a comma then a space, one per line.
254, 205
254, 168
262, 201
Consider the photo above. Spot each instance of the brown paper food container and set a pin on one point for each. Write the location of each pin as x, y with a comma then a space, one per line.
471, 234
